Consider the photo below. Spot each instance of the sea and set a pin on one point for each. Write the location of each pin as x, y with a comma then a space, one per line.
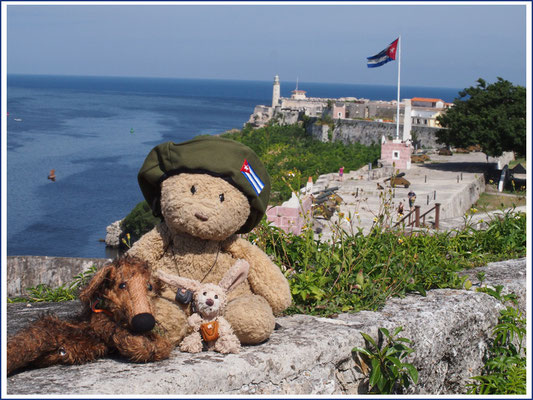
95, 133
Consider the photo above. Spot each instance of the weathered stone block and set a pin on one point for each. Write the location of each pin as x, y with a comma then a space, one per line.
27, 271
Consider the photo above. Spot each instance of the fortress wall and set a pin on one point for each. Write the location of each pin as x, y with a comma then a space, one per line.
370, 132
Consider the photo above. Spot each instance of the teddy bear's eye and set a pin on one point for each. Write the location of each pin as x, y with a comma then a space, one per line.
221, 197
150, 287
122, 285
205, 293
193, 189
216, 296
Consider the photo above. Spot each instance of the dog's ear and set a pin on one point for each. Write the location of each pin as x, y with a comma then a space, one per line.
177, 281
87, 294
236, 274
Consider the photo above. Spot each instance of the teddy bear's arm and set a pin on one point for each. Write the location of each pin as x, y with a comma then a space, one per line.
265, 277
194, 321
151, 245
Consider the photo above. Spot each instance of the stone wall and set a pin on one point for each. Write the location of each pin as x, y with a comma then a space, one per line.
371, 132
449, 332
463, 199
28, 271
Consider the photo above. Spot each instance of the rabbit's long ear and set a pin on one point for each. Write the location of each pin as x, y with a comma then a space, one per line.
87, 294
177, 281
236, 274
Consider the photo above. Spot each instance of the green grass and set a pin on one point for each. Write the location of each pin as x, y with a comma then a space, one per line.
45, 293
495, 201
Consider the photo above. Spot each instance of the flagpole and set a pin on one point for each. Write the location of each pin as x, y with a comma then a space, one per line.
398, 100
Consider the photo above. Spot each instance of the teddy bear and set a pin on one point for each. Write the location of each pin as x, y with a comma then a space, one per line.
207, 191
207, 323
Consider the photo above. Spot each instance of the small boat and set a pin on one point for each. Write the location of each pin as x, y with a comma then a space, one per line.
18, 119
52, 175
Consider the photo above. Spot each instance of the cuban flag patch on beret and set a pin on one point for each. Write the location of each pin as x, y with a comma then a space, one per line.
255, 181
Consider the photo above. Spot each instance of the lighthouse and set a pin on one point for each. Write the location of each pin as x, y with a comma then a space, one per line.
275, 92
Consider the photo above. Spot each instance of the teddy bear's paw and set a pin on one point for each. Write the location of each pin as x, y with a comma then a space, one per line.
192, 343
191, 348
228, 344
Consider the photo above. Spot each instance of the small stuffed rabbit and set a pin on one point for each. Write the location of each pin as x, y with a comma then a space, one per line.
210, 300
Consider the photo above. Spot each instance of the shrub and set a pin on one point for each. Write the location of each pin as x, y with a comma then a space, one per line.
505, 361
139, 221
383, 362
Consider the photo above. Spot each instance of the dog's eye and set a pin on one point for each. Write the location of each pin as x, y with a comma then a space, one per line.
216, 296
193, 189
122, 285
150, 288
205, 293
221, 197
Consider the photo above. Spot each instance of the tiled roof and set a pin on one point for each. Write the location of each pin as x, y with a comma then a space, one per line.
425, 100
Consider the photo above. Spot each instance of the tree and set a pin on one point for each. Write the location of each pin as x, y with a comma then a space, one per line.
492, 116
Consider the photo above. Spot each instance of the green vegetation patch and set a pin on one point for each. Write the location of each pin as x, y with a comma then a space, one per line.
361, 272
495, 201
45, 293
505, 360
291, 156
139, 221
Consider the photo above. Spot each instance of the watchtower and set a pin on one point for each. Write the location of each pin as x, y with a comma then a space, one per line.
275, 92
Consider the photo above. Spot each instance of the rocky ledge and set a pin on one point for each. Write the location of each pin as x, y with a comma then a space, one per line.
449, 330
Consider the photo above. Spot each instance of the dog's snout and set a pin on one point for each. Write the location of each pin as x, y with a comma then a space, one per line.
142, 322
209, 302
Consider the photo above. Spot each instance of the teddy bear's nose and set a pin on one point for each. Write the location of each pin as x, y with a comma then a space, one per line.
201, 217
209, 302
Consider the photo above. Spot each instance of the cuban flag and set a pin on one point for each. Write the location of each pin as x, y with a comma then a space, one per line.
252, 177
384, 56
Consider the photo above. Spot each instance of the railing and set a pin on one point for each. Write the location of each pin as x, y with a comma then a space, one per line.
416, 220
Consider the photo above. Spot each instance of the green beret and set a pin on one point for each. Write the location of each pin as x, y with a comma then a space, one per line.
214, 155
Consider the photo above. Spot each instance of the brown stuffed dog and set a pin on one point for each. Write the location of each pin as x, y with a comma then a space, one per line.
207, 190
117, 316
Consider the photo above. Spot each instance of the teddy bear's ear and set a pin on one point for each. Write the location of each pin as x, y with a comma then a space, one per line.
236, 274
177, 281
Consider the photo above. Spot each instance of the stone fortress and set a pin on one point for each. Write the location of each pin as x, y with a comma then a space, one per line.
355, 119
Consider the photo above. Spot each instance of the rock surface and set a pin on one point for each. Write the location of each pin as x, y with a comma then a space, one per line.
307, 355
113, 232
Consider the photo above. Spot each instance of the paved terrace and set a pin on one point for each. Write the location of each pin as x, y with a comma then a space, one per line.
453, 181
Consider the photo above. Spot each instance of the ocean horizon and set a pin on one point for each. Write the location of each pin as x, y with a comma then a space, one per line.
95, 133
314, 89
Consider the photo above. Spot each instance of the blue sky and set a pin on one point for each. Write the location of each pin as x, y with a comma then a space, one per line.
442, 45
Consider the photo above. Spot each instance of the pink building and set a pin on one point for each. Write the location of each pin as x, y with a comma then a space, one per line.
338, 110
290, 219
397, 153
